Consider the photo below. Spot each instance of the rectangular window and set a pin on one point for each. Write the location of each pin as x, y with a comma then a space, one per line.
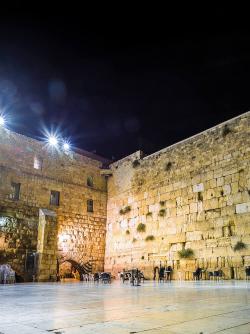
38, 162
54, 198
15, 191
90, 205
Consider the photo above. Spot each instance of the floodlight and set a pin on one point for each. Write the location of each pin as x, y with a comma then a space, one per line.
66, 146
53, 141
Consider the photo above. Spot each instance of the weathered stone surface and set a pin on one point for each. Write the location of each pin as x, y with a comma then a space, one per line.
194, 194
198, 191
243, 208
79, 235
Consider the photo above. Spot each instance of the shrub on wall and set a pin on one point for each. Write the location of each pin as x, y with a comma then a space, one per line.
168, 166
162, 203
150, 238
162, 212
186, 253
134, 240
125, 210
127, 232
136, 163
226, 130
141, 227
239, 246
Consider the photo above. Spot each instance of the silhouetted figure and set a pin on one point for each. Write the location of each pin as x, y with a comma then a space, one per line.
161, 274
197, 273
169, 273
96, 277
156, 270
247, 270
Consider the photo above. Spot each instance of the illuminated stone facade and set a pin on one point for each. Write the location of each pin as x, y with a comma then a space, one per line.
43, 207
192, 195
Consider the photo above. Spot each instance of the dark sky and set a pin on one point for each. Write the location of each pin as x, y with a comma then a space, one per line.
119, 87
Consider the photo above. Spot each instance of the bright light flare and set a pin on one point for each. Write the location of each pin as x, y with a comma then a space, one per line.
66, 146
2, 120
53, 141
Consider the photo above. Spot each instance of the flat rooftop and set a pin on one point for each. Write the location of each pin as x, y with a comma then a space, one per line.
152, 308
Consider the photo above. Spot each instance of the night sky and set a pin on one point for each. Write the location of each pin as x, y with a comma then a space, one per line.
116, 88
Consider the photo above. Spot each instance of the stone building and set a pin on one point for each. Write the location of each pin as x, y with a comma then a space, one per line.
187, 205
52, 207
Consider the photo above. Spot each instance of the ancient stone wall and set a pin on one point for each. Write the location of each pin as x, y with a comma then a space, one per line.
39, 169
192, 195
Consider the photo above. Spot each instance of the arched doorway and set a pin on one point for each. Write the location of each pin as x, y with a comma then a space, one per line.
73, 271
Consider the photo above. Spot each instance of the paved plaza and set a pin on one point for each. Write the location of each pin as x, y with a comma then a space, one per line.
152, 308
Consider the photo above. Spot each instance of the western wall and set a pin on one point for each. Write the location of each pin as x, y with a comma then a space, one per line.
187, 205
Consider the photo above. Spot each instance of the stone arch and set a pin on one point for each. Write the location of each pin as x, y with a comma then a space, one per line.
85, 268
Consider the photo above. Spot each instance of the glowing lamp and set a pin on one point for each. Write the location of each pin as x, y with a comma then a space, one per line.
66, 146
53, 141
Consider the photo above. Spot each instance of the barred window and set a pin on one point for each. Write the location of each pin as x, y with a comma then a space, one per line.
15, 191
54, 198
90, 205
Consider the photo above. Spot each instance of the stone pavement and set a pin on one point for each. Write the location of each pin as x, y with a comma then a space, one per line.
153, 308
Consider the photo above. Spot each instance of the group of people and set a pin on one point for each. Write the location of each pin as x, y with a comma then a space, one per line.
88, 277
135, 276
103, 277
7, 274
165, 273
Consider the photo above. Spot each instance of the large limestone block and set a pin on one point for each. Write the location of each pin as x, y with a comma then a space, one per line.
211, 243
191, 236
196, 244
242, 208
198, 187
211, 204
181, 237
193, 207
224, 242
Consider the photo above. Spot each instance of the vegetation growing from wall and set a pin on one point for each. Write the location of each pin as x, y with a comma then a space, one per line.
141, 227
127, 232
150, 238
125, 210
168, 166
162, 212
136, 163
239, 246
226, 130
186, 253
162, 203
